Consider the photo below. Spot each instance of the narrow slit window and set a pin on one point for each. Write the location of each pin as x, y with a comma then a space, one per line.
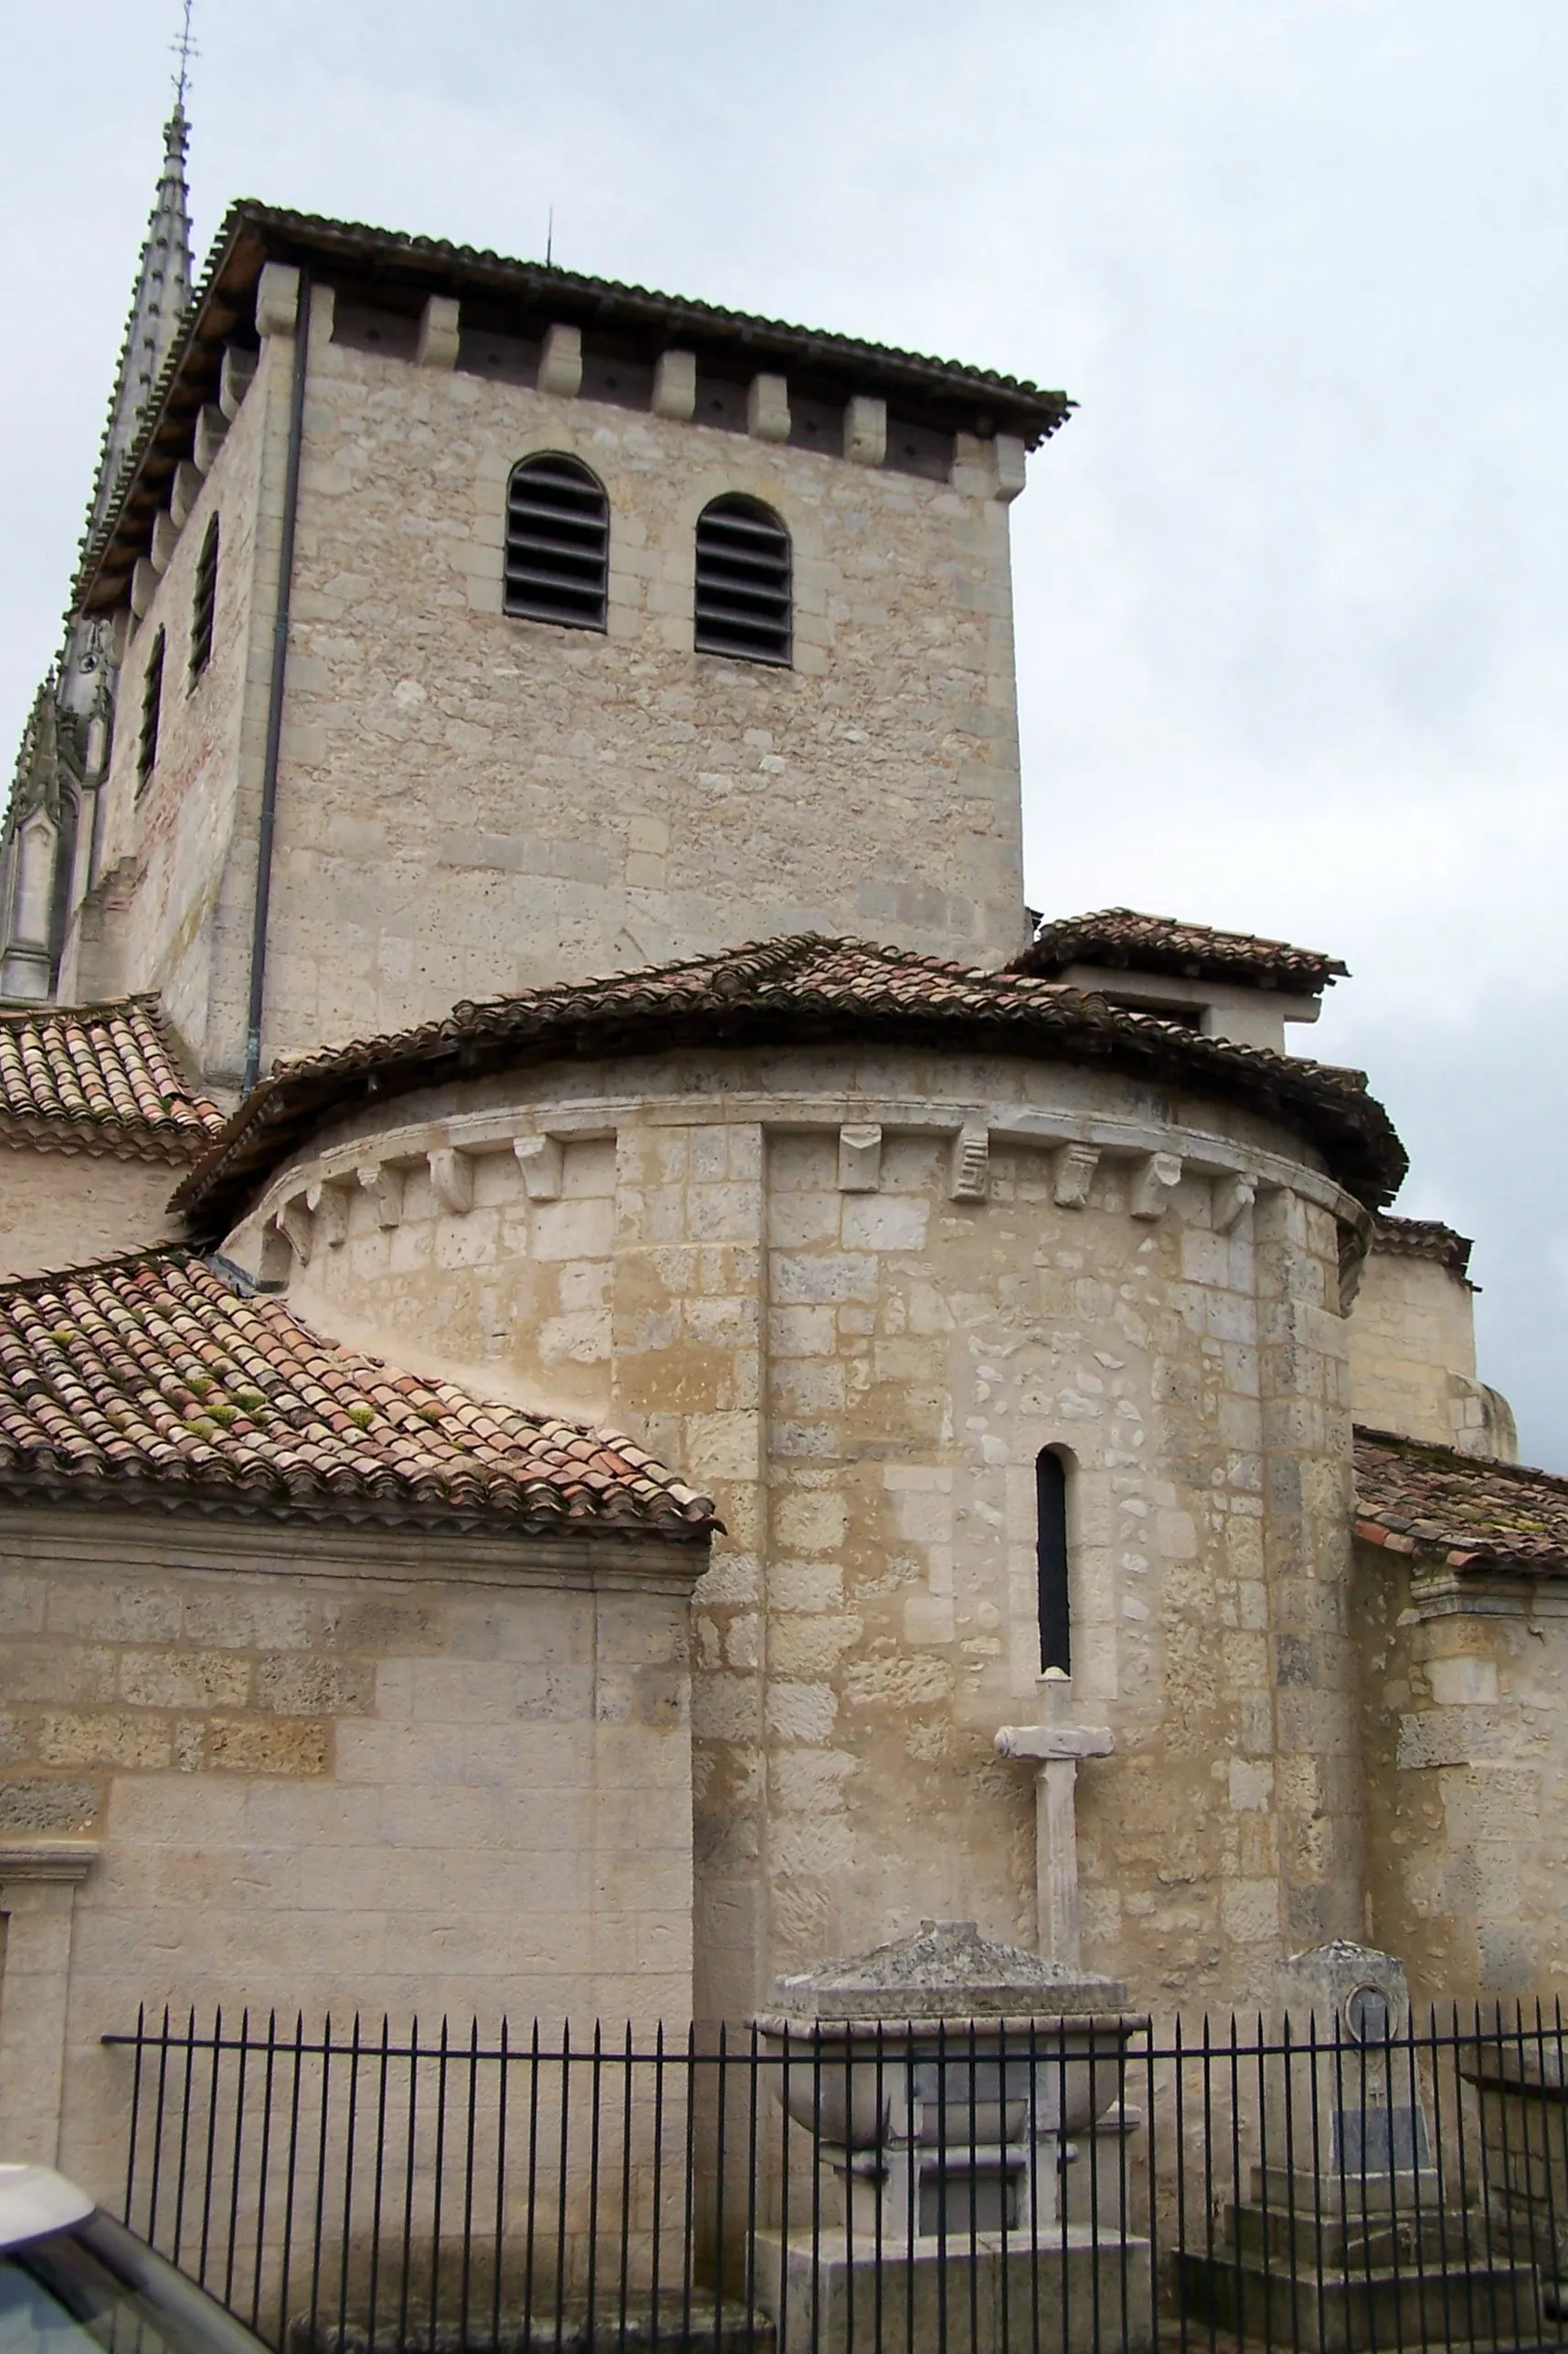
151, 711
557, 543
1051, 1554
204, 604
744, 599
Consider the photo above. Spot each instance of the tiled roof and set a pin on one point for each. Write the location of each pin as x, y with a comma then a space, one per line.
1121, 937
100, 1079
796, 991
1469, 1511
156, 1381
1423, 1238
527, 294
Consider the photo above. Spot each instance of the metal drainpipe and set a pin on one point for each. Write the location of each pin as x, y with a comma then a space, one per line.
268, 826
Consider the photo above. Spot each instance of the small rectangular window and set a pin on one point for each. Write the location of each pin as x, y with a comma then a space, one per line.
204, 605
152, 711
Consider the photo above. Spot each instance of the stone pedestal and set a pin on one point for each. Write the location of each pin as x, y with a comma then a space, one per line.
945, 2082
1070, 2292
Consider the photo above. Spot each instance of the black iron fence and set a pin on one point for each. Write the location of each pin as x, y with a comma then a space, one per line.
921, 2188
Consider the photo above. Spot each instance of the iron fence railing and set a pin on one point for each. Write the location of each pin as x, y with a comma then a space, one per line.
991, 2187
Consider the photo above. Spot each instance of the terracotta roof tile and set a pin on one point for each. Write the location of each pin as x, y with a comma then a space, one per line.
797, 990
156, 1381
1122, 938
1423, 1238
100, 1079
1469, 1511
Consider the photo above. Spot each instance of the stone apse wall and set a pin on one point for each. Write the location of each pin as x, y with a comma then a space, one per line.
853, 1295
470, 803
345, 1771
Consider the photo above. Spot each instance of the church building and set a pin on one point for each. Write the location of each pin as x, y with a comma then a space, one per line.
619, 1374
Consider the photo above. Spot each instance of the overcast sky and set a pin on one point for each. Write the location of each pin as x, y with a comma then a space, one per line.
1292, 584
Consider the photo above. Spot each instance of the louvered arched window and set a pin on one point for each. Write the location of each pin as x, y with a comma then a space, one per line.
743, 582
151, 711
203, 603
1054, 1565
557, 543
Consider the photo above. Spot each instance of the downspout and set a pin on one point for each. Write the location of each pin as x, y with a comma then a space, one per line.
268, 827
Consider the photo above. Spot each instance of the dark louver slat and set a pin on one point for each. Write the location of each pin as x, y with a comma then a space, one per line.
557, 544
744, 602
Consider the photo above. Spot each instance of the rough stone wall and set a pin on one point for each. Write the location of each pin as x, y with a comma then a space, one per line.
352, 1772
1413, 1358
862, 1369
175, 865
1466, 1734
469, 802
63, 1209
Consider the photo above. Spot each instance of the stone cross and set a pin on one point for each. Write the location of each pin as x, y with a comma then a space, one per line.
1054, 1749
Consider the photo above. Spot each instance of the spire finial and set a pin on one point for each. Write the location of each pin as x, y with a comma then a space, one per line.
185, 50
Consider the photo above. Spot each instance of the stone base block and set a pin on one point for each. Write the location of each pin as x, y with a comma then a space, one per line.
1072, 2296
1313, 2311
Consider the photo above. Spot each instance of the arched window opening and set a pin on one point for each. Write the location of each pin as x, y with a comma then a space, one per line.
1051, 1555
557, 543
203, 603
743, 582
151, 711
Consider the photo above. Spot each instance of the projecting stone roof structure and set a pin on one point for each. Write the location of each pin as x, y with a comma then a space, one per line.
1467, 1511
160, 1382
800, 990
404, 271
1423, 1238
1121, 937
100, 1079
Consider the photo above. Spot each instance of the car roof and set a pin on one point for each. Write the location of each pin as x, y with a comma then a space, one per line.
35, 2199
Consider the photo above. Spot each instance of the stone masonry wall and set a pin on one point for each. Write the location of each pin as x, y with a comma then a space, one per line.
758, 1265
347, 1773
1465, 1702
470, 803
1413, 1358
186, 839
65, 1209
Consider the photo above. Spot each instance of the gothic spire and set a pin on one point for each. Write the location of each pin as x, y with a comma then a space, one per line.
163, 290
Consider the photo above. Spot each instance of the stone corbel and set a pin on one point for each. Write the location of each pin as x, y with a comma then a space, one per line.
327, 1201
860, 1160
675, 386
297, 1227
277, 299
437, 345
1355, 1238
542, 1162
143, 586
384, 1183
1011, 461
452, 1180
561, 362
968, 1173
1074, 1174
1154, 1181
768, 408
210, 428
865, 430
184, 493
165, 539
1231, 1197
235, 379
